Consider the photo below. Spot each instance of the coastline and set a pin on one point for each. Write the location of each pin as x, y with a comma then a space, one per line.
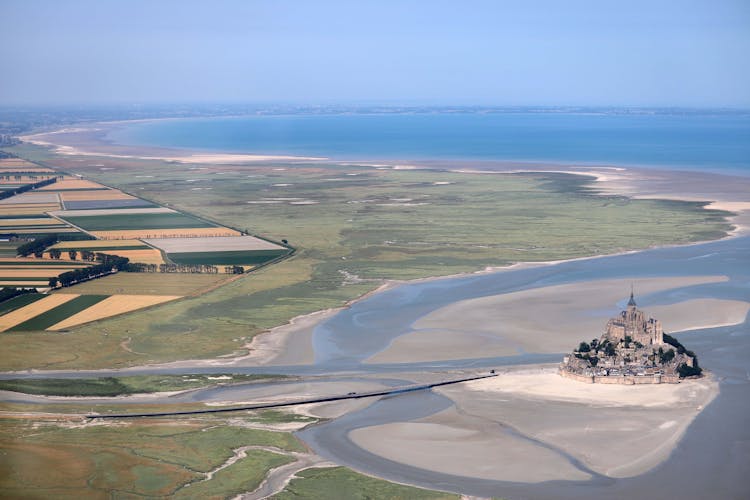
720, 191
474, 418
291, 343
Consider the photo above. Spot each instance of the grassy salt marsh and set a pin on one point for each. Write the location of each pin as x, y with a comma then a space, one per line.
353, 227
64, 460
117, 386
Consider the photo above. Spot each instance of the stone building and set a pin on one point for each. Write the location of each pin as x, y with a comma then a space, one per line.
632, 323
633, 350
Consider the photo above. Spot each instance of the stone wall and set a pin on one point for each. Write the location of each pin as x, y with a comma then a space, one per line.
621, 379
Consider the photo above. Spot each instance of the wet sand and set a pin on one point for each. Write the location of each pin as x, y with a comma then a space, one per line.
500, 426
92, 141
549, 319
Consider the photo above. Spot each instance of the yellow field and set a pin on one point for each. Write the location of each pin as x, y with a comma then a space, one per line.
164, 233
145, 256
57, 268
36, 272
24, 179
25, 313
14, 161
111, 306
28, 209
61, 229
63, 245
109, 194
29, 222
27, 284
11, 261
66, 184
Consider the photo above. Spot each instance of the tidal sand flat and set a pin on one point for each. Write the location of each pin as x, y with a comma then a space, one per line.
617, 431
549, 319
500, 426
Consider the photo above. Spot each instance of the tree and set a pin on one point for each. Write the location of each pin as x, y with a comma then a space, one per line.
609, 349
583, 347
53, 282
87, 255
55, 253
72, 254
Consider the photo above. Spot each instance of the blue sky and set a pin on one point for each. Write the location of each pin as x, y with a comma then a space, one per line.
573, 52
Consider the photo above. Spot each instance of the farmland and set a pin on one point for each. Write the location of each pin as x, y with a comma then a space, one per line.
242, 250
92, 206
150, 284
107, 307
228, 258
57, 314
141, 221
33, 309
164, 233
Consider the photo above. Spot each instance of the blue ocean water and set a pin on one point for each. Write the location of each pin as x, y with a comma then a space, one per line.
713, 142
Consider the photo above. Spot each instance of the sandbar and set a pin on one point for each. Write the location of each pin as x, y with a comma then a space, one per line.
549, 319
531, 425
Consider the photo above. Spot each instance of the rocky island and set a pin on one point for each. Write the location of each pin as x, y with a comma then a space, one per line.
633, 350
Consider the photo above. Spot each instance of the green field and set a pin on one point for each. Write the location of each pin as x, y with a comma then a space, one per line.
59, 313
148, 284
117, 386
340, 483
19, 301
119, 222
247, 257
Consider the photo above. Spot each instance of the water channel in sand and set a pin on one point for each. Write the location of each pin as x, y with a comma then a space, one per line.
710, 461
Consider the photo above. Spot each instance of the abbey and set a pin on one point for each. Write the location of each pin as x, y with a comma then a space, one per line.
633, 323
633, 350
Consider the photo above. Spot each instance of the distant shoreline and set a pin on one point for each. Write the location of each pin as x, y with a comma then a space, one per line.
720, 191
95, 139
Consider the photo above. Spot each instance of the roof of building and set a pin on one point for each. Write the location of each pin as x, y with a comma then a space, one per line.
631, 302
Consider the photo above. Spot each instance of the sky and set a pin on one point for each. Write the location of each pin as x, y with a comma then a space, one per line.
691, 53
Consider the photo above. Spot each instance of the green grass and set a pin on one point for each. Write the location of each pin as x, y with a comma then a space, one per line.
59, 313
244, 475
118, 222
247, 257
341, 483
149, 459
116, 386
19, 301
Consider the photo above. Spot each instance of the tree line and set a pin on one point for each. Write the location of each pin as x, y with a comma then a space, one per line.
27, 187
108, 264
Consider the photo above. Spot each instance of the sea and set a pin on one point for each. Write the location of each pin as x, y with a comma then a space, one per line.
718, 142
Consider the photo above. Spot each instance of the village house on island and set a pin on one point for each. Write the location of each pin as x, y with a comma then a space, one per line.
633, 350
